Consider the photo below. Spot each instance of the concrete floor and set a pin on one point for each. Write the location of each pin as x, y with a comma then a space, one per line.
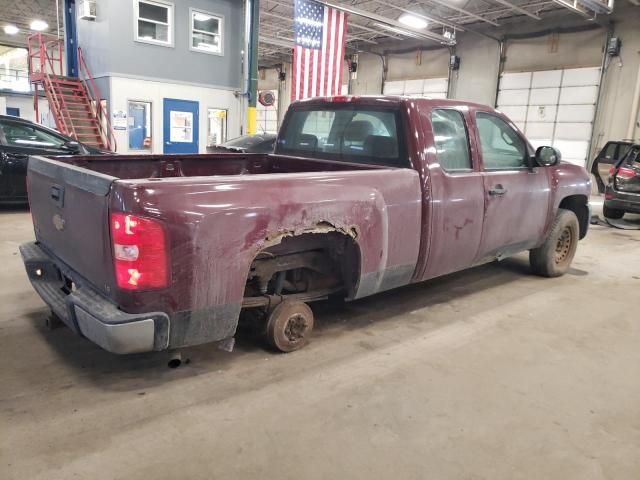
486, 374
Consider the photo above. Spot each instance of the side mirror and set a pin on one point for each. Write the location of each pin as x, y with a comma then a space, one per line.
548, 156
71, 146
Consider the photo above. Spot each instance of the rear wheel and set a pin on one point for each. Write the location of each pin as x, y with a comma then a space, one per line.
612, 213
289, 326
553, 258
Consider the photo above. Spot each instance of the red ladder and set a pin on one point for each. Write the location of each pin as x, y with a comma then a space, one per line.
78, 108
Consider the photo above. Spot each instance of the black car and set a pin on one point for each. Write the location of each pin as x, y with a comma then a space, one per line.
20, 138
610, 155
622, 194
261, 143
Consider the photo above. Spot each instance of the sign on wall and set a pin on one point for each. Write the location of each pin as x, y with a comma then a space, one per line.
119, 120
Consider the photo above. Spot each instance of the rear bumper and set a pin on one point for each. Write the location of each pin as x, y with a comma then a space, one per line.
90, 314
629, 202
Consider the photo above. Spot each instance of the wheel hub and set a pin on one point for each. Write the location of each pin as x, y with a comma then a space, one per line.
563, 246
296, 328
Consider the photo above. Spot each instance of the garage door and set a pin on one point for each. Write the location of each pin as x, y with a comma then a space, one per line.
426, 87
553, 107
267, 117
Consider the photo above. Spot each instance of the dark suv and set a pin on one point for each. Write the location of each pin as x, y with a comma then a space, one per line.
610, 154
623, 190
20, 138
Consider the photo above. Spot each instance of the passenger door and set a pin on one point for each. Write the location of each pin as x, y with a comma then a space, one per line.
18, 140
181, 126
457, 194
516, 196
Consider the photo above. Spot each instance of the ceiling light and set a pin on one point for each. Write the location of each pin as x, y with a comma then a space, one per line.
201, 17
39, 25
11, 29
413, 21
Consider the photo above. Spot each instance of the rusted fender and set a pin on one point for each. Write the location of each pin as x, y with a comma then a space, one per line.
217, 225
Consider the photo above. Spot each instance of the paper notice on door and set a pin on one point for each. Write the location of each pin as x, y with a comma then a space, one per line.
181, 127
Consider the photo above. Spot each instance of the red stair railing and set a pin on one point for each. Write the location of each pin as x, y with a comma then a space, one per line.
101, 113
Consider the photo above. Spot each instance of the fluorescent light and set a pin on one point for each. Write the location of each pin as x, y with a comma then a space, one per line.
39, 25
413, 21
11, 29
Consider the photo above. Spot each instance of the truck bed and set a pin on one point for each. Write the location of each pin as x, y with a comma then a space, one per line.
166, 166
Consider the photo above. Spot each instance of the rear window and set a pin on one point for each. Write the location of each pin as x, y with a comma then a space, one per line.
346, 133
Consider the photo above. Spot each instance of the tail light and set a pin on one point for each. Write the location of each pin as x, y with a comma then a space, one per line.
612, 170
626, 173
139, 252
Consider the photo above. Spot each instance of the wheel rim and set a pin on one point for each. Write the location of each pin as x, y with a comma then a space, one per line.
563, 247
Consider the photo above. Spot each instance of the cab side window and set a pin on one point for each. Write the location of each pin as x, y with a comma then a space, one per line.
451, 141
20, 135
502, 148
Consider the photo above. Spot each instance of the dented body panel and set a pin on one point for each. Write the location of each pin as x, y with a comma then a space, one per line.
221, 211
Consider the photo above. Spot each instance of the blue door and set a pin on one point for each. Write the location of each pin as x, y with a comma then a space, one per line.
180, 126
137, 124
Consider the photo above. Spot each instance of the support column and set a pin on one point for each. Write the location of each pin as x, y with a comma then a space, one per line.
252, 89
71, 37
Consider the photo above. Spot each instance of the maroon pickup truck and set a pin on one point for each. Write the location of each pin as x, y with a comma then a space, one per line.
362, 195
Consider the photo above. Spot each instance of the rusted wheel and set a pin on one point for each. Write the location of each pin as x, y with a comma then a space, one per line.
289, 326
553, 258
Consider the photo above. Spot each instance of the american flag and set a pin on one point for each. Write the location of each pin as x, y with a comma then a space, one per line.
318, 54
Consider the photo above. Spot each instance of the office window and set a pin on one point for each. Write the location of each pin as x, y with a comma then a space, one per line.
139, 126
502, 148
153, 22
450, 135
206, 32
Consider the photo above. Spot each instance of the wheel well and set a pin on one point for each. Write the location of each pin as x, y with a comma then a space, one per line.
578, 204
306, 263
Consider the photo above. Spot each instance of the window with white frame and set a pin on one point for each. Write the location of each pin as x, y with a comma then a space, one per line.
153, 22
206, 32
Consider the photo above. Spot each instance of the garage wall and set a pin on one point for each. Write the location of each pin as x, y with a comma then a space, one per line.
566, 50
418, 65
125, 89
25, 104
475, 81
619, 80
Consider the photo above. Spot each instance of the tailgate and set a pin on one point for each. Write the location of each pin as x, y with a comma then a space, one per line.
70, 210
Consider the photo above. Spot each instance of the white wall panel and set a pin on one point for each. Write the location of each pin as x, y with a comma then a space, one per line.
539, 130
579, 95
413, 87
394, 88
515, 81
517, 113
544, 96
576, 113
573, 131
513, 97
542, 113
546, 78
572, 149
576, 77
429, 88
434, 85
436, 96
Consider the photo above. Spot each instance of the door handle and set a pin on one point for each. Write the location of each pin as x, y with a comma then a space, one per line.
497, 191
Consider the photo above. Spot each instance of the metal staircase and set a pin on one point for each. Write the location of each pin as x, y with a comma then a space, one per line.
77, 107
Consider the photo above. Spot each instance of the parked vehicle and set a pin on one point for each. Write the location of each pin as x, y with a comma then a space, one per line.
623, 189
363, 195
610, 154
261, 143
20, 138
